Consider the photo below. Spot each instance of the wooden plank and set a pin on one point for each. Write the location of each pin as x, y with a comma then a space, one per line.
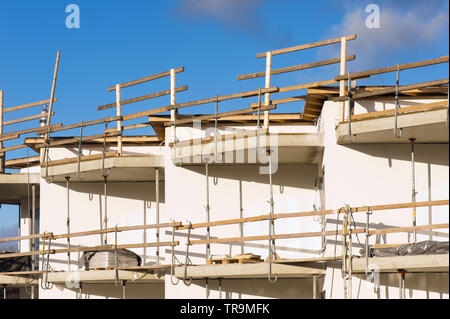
274, 237
144, 139
285, 100
267, 85
211, 116
406, 229
306, 86
307, 46
402, 110
52, 95
362, 74
198, 102
31, 130
82, 159
318, 213
342, 70
141, 98
295, 68
130, 127
75, 140
113, 229
21, 273
94, 248
389, 90
84, 124
24, 106
24, 119
7, 138
22, 162
17, 238
317, 234
145, 79
12, 148
119, 123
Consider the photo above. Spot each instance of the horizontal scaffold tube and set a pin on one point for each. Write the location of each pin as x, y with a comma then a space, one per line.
316, 213
318, 234
94, 248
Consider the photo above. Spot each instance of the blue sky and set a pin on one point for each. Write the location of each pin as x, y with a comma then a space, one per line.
215, 40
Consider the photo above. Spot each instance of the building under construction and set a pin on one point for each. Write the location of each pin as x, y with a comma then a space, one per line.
346, 199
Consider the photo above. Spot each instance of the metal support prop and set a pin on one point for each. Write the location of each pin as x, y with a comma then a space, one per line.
105, 174
68, 222
272, 252
368, 213
105, 219
216, 133
344, 250
413, 186
448, 101
207, 208
188, 261
220, 288
144, 235
401, 284
116, 260
46, 266
157, 214
400, 133
241, 215
124, 289
33, 226
314, 286
173, 258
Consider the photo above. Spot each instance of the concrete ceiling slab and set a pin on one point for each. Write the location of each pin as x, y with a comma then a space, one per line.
121, 169
425, 127
289, 148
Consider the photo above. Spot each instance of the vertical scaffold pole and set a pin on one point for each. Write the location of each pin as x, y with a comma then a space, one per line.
33, 227
207, 208
413, 186
267, 85
157, 213
68, 223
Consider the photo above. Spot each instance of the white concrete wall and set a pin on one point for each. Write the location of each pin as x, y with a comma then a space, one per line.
374, 174
353, 174
127, 203
293, 192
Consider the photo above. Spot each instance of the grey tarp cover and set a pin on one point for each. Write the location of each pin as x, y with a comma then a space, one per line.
105, 259
14, 263
427, 247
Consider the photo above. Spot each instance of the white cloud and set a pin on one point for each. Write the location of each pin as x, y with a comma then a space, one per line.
404, 27
243, 14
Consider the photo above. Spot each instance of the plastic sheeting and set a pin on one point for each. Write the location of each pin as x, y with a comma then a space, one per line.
14, 263
106, 259
427, 247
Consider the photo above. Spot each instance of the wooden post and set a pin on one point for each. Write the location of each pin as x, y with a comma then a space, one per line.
119, 123
2, 155
52, 93
267, 85
50, 105
173, 113
342, 72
